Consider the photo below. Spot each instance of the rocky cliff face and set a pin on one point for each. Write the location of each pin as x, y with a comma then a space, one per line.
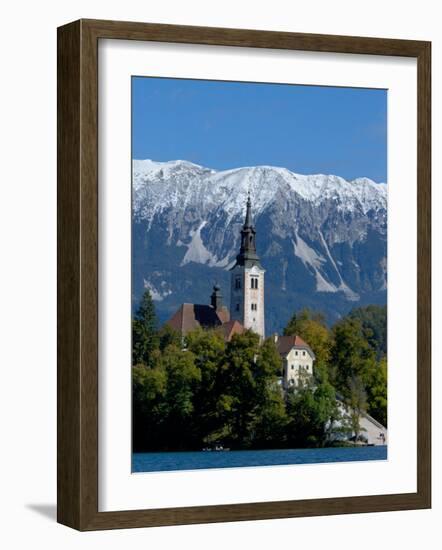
321, 239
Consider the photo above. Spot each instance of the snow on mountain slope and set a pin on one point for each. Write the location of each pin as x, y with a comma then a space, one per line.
178, 183
317, 235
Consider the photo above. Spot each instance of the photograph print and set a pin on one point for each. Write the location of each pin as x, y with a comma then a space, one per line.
259, 274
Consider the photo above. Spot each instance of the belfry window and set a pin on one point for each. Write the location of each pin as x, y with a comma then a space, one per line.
237, 283
254, 282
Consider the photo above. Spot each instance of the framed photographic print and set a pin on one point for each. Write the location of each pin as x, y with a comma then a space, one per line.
243, 275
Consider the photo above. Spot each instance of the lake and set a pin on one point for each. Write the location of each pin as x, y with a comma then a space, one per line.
162, 462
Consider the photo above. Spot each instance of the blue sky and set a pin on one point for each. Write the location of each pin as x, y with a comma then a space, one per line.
222, 125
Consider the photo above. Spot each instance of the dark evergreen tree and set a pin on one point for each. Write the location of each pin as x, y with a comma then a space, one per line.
144, 332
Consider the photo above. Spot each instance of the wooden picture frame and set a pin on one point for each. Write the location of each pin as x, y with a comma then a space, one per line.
78, 274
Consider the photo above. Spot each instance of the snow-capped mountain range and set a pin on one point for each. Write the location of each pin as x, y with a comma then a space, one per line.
322, 239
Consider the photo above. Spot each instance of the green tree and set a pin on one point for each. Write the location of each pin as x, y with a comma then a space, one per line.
269, 419
208, 348
357, 402
311, 327
353, 357
373, 320
167, 336
375, 380
312, 410
294, 326
183, 379
237, 379
144, 332
149, 407
350, 355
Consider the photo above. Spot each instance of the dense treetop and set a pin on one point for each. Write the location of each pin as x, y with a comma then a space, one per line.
199, 391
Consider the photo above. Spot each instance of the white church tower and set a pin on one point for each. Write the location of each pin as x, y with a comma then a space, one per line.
247, 282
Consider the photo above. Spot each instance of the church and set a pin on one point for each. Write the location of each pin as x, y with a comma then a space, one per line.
247, 308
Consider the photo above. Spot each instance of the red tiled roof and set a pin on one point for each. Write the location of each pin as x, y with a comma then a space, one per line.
230, 328
191, 316
285, 343
223, 314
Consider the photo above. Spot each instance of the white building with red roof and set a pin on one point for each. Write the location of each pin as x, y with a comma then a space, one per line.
297, 359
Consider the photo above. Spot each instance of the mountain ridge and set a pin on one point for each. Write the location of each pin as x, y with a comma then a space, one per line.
320, 235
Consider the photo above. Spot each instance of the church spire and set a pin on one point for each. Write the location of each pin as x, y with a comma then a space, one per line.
247, 254
248, 222
247, 280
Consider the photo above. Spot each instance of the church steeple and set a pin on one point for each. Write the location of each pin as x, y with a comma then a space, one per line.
248, 222
247, 254
247, 280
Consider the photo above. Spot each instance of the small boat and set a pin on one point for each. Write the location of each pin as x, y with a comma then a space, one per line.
216, 448
221, 448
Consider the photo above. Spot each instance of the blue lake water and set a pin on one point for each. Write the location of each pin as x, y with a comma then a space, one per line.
161, 462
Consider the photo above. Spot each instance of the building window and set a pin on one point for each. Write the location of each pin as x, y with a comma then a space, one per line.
292, 367
296, 353
303, 353
254, 307
254, 282
237, 307
237, 283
